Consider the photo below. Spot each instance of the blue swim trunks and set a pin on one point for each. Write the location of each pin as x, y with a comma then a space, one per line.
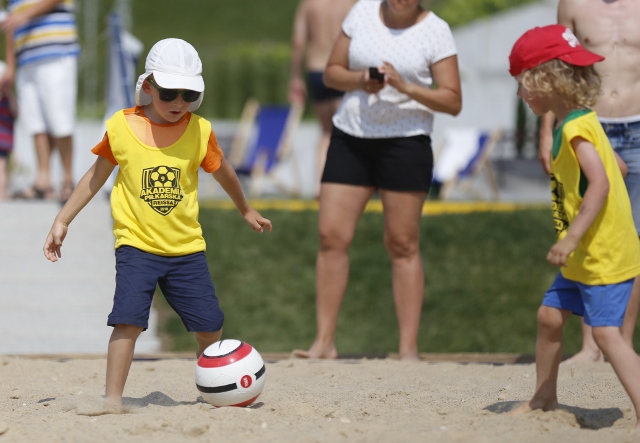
624, 136
318, 91
184, 280
600, 305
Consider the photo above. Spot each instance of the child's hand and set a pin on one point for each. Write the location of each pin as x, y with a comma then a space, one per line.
256, 221
54, 240
560, 252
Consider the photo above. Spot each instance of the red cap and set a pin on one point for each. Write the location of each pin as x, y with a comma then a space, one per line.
539, 45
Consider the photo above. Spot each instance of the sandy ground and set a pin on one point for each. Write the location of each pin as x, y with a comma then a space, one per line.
312, 401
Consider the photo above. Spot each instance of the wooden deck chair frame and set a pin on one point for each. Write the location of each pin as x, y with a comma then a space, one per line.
284, 151
481, 165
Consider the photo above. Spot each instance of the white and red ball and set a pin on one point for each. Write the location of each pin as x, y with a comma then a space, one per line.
230, 373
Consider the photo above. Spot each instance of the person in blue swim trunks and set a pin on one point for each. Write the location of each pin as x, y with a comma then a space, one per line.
316, 26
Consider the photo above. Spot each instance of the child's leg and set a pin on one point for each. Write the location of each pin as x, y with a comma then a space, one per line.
624, 361
3, 177
205, 339
190, 292
631, 314
548, 356
119, 357
590, 352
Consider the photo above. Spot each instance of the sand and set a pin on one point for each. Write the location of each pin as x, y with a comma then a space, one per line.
360, 400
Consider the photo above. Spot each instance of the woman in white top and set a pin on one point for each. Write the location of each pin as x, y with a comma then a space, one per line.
381, 142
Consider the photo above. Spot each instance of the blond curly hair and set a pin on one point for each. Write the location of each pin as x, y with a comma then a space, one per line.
574, 85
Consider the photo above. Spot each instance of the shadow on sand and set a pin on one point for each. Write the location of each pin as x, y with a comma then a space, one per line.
586, 418
155, 398
160, 399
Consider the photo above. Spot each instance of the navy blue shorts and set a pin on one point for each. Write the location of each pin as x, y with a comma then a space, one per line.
318, 91
184, 280
394, 164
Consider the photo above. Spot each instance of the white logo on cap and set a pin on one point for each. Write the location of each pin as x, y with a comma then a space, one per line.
570, 38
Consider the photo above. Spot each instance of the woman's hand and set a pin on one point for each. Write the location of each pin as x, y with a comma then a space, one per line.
392, 77
370, 85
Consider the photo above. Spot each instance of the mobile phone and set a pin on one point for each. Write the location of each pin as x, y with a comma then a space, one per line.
376, 75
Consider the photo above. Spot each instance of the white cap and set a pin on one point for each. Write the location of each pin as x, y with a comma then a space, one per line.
175, 64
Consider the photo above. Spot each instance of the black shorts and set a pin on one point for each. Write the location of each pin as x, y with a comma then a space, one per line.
318, 91
395, 164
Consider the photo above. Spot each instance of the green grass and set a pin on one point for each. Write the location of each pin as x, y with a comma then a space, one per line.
485, 277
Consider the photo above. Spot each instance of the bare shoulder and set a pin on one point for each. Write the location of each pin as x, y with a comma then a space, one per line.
330, 7
567, 9
572, 3
303, 7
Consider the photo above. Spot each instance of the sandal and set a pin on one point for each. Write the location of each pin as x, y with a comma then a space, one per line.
65, 193
34, 193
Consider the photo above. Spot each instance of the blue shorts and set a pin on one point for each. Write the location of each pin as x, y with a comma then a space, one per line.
600, 305
185, 283
318, 91
625, 140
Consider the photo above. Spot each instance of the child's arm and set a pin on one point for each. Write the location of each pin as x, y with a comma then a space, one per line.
17, 19
88, 186
597, 191
8, 78
226, 176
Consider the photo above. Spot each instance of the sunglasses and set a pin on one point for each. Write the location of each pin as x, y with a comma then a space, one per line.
169, 95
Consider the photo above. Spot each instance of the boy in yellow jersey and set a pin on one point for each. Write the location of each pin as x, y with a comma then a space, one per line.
159, 145
591, 209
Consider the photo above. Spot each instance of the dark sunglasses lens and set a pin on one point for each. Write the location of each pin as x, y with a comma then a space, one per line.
167, 95
190, 96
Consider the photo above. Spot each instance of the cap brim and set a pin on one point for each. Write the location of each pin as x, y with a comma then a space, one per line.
581, 58
172, 81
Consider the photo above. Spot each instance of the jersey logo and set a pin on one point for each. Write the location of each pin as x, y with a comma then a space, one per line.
557, 204
161, 188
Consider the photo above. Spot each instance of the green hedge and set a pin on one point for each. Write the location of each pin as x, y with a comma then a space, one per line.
244, 46
244, 70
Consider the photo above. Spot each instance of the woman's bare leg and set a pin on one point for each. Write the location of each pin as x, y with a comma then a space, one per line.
402, 214
340, 209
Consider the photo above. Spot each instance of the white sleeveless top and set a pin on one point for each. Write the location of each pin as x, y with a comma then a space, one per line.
411, 51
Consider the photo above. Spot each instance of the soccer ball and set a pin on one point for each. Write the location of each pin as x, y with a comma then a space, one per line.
230, 373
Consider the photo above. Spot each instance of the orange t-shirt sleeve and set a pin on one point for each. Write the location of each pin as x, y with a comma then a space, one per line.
103, 149
213, 158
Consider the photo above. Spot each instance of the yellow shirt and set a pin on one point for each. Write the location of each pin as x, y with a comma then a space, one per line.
609, 252
154, 201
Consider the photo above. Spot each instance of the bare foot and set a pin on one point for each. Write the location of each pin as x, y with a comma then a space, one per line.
316, 351
585, 356
532, 405
95, 407
410, 356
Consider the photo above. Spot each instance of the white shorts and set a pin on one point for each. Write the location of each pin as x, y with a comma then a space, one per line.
47, 92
